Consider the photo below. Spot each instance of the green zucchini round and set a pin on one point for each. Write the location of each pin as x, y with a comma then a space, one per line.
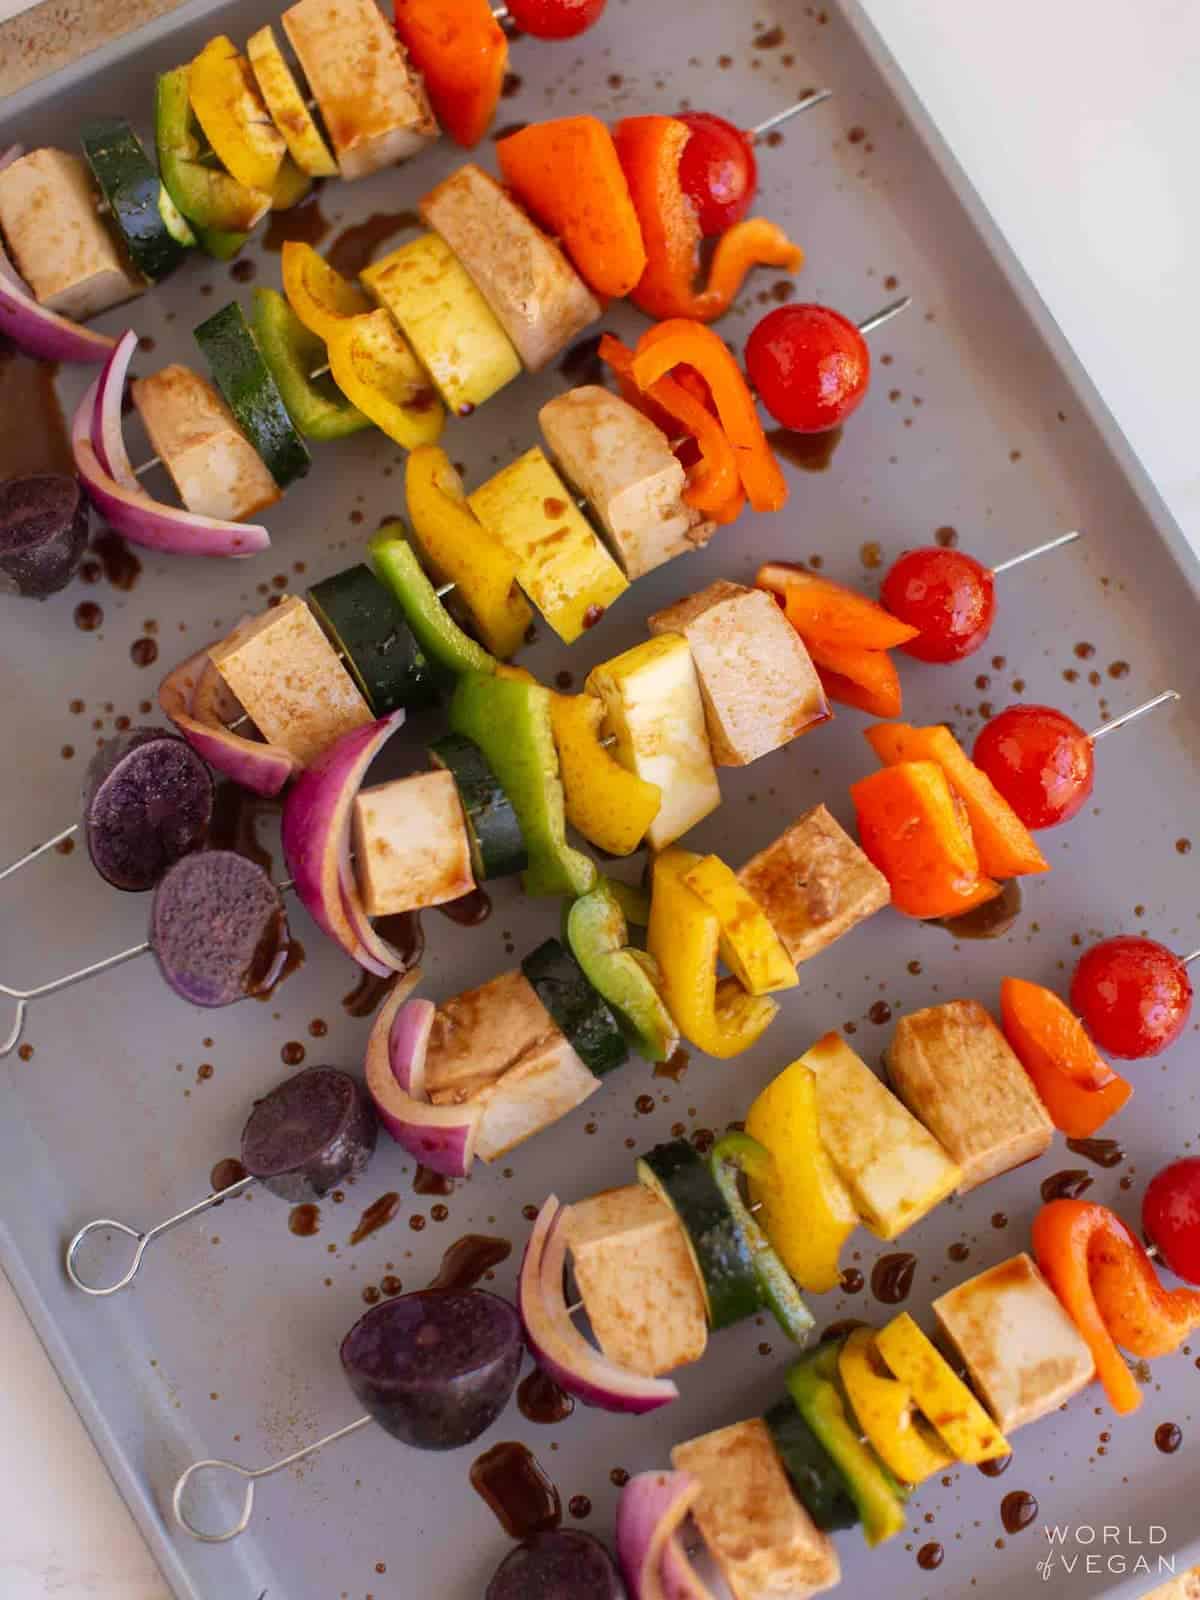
497, 843
155, 234
818, 1483
583, 1015
252, 394
362, 620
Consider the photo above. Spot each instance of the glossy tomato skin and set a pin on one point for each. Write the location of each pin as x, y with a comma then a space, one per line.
1134, 996
1171, 1216
949, 595
718, 171
555, 19
1041, 762
810, 365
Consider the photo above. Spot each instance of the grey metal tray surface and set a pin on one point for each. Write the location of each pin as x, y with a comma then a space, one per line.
979, 420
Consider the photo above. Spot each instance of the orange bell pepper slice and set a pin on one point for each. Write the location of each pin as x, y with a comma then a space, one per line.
650, 150
831, 612
567, 174
1005, 845
462, 52
911, 827
683, 343
1079, 1089
868, 677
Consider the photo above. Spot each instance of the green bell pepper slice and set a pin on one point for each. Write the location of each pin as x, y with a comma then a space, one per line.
395, 564
599, 939
316, 405
732, 1155
220, 208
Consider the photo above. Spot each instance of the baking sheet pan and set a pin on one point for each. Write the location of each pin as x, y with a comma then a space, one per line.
978, 420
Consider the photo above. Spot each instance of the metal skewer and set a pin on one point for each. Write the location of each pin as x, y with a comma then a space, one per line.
885, 314
141, 1239
1038, 550
816, 98
1131, 716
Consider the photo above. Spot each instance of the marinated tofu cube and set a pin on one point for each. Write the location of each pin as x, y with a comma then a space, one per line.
373, 104
545, 1084
638, 1281
446, 320
477, 1035
216, 471
760, 688
561, 565
57, 238
538, 298
654, 711
624, 467
1024, 1354
410, 844
284, 671
763, 1540
954, 1069
815, 884
895, 1170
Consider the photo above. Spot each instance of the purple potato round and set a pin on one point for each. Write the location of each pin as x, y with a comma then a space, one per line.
563, 1564
43, 533
218, 928
147, 802
435, 1368
312, 1132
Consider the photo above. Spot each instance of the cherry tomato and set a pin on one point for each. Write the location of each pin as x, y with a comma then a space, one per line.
1134, 996
1171, 1216
810, 365
718, 171
949, 595
1041, 762
555, 19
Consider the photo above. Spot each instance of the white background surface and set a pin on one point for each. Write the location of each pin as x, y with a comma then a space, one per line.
1076, 121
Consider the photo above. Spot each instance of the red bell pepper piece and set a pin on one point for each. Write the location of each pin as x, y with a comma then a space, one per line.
462, 52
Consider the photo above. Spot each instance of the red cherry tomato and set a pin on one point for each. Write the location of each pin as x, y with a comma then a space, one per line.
1171, 1216
810, 365
718, 171
555, 19
1040, 761
949, 595
1134, 996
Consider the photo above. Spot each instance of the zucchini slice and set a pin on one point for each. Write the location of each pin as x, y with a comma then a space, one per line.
252, 394
497, 844
585, 1018
819, 1485
154, 231
363, 622
723, 1258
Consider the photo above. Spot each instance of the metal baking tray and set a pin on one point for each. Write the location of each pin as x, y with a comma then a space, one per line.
979, 419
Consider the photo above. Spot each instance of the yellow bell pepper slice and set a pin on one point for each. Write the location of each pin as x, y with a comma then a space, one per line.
231, 111
290, 187
807, 1213
458, 550
609, 805
684, 937
887, 1412
317, 292
750, 947
949, 1405
374, 368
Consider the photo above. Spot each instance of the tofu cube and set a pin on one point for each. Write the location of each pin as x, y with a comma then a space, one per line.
58, 240
954, 1069
216, 471
763, 1540
373, 104
561, 565
1024, 1354
637, 1279
895, 1170
446, 320
815, 884
760, 688
541, 1087
281, 667
538, 298
410, 844
624, 466
477, 1035
654, 710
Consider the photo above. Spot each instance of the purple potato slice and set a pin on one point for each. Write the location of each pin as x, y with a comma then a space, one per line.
312, 1132
563, 1564
147, 802
435, 1368
43, 533
218, 928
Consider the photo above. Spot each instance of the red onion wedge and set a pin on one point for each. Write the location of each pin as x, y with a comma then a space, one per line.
652, 1508
439, 1137
316, 843
264, 768
40, 332
13, 153
557, 1345
107, 431
149, 522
